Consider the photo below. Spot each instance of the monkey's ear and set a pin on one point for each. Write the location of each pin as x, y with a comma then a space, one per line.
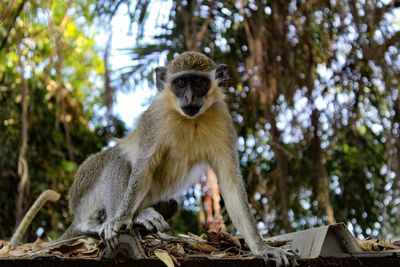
161, 74
221, 75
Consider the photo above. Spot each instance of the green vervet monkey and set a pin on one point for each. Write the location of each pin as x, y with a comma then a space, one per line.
186, 129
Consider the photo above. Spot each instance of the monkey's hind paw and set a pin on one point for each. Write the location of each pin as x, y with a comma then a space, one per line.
151, 220
111, 230
283, 258
124, 247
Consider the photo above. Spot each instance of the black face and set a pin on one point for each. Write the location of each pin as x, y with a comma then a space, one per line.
191, 90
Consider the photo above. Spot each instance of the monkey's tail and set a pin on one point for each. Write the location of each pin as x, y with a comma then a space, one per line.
71, 232
47, 195
74, 232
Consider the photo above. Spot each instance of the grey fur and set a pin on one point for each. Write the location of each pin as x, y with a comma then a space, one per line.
99, 185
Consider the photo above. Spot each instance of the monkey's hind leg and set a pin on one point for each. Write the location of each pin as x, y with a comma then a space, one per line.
71, 231
85, 225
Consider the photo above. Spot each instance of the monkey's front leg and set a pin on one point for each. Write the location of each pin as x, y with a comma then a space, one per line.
137, 189
235, 199
153, 218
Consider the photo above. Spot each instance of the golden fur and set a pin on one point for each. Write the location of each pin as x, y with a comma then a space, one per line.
181, 143
191, 61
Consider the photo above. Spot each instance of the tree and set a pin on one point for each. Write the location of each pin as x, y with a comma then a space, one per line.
49, 69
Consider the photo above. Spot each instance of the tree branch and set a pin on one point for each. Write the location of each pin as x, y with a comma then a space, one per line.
19, 10
23, 168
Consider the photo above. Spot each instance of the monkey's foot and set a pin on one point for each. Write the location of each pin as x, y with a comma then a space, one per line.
151, 220
110, 230
125, 247
283, 258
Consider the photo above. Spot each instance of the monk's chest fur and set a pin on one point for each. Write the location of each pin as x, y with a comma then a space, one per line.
187, 144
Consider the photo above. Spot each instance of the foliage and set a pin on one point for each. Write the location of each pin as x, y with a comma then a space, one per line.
314, 93
63, 81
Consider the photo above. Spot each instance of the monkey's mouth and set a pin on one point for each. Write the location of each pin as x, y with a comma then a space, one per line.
191, 110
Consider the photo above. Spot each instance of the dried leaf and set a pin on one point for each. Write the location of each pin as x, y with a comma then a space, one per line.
184, 236
277, 243
213, 237
368, 245
68, 249
178, 249
217, 255
229, 238
165, 236
17, 252
377, 245
164, 257
196, 237
78, 251
174, 260
152, 242
204, 247
58, 253
396, 243
38, 244
93, 252
5, 250
3, 243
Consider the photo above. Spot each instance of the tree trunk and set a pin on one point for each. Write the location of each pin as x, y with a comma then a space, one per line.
396, 155
320, 175
23, 167
263, 71
281, 172
108, 95
62, 94
320, 179
193, 31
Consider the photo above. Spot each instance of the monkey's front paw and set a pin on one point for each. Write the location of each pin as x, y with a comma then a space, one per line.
280, 256
111, 229
151, 220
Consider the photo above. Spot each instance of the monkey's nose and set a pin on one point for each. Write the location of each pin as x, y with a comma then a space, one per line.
191, 110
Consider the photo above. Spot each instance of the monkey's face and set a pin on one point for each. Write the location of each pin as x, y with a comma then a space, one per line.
194, 91
191, 90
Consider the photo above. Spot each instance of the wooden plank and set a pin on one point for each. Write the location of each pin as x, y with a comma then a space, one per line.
200, 262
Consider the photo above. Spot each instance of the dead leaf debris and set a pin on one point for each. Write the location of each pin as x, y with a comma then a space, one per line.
166, 248
378, 245
169, 249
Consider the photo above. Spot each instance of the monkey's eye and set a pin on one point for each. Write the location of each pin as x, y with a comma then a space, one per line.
180, 83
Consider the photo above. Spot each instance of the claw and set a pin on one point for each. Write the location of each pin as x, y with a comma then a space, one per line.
282, 258
151, 220
110, 230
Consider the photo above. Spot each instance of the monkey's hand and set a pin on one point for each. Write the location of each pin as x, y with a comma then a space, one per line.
151, 220
111, 229
280, 256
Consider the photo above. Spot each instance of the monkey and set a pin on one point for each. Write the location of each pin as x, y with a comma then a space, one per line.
186, 129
